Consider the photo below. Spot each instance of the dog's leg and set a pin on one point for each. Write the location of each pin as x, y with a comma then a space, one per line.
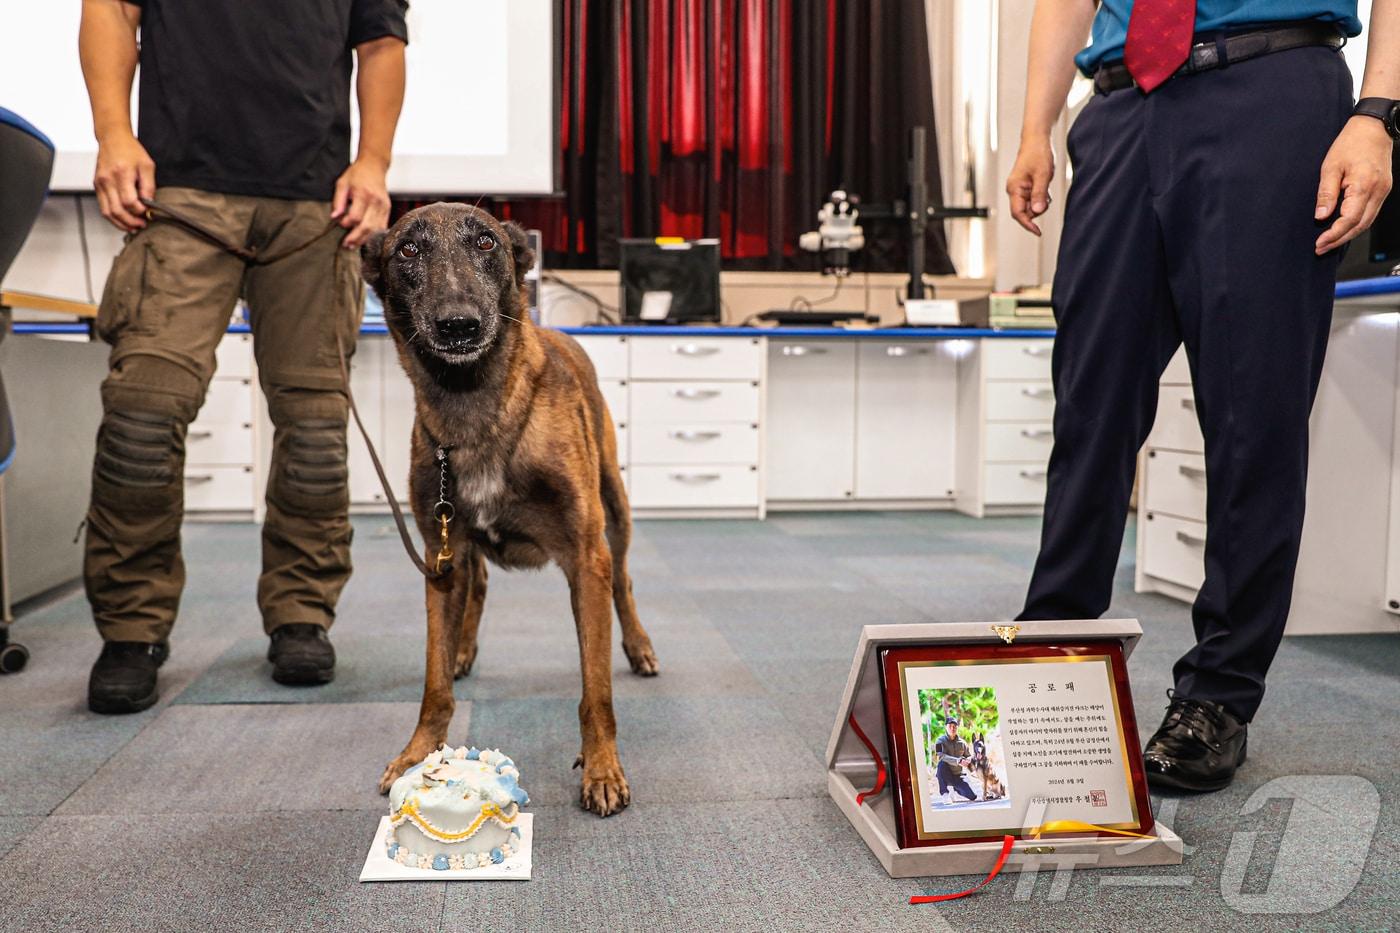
446, 599
471, 616
604, 789
635, 641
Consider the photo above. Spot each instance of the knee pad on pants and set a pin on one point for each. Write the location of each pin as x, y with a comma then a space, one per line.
309, 470
147, 405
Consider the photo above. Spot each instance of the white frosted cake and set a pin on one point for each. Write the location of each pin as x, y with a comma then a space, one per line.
456, 809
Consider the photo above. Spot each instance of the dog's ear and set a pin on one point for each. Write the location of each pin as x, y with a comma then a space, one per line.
520, 249
372, 260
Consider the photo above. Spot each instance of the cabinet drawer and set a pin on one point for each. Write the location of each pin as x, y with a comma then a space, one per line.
228, 401
615, 395
1174, 550
1020, 401
1016, 359
1176, 484
215, 443
696, 358
1015, 484
698, 487
609, 355
684, 402
695, 443
1026, 441
218, 488
1177, 427
234, 357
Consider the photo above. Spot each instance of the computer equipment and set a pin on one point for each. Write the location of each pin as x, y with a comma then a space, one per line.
670, 281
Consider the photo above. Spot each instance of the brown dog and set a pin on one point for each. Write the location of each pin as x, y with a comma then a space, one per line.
532, 465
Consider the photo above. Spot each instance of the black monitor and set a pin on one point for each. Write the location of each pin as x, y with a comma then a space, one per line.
667, 281
1377, 251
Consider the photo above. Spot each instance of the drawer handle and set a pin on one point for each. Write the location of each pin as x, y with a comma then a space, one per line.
199, 477
1038, 393
1034, 474
1189, 404
1036, 351
695, 394
804, 351
1192, 540
905, 351
693, 349
695, 478
200, 435
1037, 433
694, 435
1194, 472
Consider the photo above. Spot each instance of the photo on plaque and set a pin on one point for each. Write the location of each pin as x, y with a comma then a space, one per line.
962, 749
993, 740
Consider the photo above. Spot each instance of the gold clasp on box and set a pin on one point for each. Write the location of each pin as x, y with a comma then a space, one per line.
1038, 850
1007, 632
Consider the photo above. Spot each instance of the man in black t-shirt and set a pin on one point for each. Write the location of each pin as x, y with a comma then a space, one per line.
244, 128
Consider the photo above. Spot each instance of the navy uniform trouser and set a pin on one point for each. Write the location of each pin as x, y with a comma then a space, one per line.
947, 779
1190, 220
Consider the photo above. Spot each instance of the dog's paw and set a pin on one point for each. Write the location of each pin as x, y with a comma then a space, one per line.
410, 756
642, 659
466, 657
604, 789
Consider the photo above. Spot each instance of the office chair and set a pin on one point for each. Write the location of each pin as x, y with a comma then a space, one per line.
26, 164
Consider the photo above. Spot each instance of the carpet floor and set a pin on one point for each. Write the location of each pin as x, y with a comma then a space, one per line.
237, 804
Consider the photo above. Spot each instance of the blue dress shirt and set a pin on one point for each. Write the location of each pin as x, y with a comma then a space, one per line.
1111, 23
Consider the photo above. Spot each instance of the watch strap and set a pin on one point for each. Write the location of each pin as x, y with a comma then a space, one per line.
1383, 109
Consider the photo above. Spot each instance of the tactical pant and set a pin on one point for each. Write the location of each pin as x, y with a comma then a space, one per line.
167, 303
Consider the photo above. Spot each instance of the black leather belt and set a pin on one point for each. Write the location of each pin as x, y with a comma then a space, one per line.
1209, 52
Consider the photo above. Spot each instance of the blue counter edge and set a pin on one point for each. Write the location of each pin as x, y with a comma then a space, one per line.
1357, 288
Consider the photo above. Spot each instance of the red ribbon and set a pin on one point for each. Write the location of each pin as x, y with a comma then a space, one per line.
1006, 843
879, 763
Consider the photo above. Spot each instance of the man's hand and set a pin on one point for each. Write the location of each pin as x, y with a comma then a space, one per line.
1357, 169
1029, 184
125, 174
361, 202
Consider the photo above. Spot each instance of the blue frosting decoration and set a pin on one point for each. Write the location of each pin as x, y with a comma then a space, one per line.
496, 856
393, 849
440, 862
473, 753
511, 786
515, 831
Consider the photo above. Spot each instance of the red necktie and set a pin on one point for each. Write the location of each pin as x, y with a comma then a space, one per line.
1159, 39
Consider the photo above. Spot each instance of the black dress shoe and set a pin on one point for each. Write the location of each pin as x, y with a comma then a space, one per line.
301, 655
124, 678
1197, 748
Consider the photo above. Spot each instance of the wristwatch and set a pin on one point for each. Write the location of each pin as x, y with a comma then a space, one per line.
1383, 109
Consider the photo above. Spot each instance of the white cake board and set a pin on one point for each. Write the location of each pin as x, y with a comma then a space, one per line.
850, 768
379, 867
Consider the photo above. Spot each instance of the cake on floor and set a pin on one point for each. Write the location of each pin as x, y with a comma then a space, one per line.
456, 809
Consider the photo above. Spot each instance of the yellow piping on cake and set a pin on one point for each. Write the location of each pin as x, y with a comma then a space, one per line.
489, 811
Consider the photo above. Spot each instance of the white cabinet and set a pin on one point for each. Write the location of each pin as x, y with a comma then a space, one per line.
811, 420
695, 408
221, 446
1006, 410
905, 420
367, 383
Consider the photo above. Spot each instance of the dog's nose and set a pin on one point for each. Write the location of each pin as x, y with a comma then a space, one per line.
458, 329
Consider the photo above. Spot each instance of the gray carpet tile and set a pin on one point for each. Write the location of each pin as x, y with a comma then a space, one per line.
754, 623
238, 758
232, 871
13, 829
673, 749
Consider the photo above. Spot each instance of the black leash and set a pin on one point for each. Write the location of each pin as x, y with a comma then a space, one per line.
443, 511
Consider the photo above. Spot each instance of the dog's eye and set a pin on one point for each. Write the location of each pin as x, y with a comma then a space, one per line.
408, 250
485, 242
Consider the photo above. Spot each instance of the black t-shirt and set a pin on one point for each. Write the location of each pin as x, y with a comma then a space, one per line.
253, 96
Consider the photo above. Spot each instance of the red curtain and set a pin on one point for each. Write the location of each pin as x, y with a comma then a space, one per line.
732, 119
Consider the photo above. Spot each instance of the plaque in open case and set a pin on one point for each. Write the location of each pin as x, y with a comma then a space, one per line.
923, 823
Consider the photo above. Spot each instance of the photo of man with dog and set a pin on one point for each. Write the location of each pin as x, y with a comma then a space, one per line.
962, 748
